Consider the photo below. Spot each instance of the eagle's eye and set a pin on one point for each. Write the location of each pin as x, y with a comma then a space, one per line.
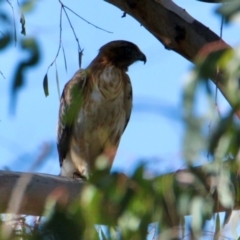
127, 50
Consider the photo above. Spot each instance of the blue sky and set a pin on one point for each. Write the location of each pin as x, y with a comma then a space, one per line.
155, 130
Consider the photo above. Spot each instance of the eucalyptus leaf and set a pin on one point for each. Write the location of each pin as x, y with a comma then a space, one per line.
57, 82
23, 22
230, 11
5, 40
28, 5
45, 85
29, 46
217, 223
64, 57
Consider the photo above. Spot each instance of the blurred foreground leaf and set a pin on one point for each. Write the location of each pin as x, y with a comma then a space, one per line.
230, 11
30, 46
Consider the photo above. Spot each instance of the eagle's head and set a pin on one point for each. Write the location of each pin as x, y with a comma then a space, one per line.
121, 53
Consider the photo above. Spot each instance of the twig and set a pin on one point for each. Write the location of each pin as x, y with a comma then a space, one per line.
60, 39
63, 8
80, 54
2, 75
69, 21
84, 18
45, 80
14, 24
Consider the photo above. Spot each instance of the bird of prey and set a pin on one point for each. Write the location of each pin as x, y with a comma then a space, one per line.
95, 109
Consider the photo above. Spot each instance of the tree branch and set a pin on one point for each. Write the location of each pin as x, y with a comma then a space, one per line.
177, 31
37, 188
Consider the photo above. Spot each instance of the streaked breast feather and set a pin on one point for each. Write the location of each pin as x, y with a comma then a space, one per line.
108, 83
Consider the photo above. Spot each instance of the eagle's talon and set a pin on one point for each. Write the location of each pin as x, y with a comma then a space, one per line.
78, 176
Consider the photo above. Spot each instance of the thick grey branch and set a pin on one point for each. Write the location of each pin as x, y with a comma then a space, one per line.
177, 31
36, 188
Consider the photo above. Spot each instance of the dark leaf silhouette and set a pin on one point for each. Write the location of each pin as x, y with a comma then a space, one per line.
229, 10
22, 21
5, 40
30, 46
80, 54
45, 85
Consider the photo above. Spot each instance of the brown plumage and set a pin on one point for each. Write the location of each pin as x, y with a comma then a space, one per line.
95, 109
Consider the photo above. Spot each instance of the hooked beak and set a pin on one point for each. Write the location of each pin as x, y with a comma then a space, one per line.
142, 57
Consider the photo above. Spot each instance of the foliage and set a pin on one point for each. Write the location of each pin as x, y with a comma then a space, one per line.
126, 206
28, 45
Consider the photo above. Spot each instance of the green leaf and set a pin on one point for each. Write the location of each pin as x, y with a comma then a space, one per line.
64, 57
221, 129
192, 149
217, 227
217, 223
4, 17
5, 40
200, 209
57, 81
207, 67
28, 5
230, 11
182, 224
45, 85
190, 87
30, 58
225, 192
